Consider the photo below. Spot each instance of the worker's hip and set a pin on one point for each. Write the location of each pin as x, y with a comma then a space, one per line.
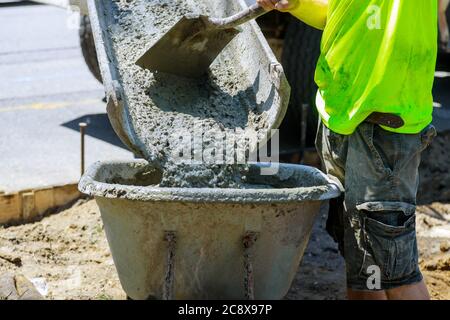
378, 172
387, 159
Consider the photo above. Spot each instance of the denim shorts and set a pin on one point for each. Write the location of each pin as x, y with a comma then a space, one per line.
374, 222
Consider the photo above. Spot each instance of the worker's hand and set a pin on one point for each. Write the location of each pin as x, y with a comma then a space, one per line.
280, 5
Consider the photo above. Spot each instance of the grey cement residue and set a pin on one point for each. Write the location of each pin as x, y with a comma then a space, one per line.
124, 180
162, 105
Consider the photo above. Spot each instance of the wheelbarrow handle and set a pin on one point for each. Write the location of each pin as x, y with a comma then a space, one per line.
246, 15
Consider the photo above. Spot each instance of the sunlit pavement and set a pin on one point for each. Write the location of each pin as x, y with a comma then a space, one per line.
45, 91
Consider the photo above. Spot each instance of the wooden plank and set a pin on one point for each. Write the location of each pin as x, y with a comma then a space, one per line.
45, 199
10, 207
65, 194
28, 204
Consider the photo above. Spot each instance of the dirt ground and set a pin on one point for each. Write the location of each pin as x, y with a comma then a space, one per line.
67, 255
68, 251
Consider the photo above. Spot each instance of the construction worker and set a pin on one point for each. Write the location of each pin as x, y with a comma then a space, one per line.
375, 76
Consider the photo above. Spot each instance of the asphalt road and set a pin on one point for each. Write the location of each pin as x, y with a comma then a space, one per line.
45, 91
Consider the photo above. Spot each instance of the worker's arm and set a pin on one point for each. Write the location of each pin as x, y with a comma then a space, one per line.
312, 12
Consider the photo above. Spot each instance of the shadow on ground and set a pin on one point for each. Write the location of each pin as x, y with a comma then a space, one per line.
17, 4
98, 127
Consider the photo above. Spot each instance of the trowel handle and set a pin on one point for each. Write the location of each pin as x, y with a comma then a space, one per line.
251, 13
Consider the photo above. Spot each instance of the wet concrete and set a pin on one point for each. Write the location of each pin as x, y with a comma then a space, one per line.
140, 181
166, 109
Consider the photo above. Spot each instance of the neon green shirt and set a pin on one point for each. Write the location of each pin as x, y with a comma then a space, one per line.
377, 55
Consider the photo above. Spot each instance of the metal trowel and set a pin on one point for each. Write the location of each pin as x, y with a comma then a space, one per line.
194, 42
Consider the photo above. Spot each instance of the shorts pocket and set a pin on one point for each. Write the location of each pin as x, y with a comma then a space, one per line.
389, 231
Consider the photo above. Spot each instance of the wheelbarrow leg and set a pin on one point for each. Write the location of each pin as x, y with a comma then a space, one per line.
249, 281
171, 240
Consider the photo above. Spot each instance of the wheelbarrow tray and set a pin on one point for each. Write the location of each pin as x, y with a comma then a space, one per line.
209, 225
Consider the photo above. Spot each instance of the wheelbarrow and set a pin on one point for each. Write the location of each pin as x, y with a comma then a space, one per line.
188, 243
197, 243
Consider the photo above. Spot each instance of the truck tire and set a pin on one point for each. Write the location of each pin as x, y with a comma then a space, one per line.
88, 47
301, 51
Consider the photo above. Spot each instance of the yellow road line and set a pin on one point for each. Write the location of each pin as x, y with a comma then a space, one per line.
49, 105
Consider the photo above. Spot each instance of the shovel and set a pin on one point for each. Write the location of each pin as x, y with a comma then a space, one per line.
194, 42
